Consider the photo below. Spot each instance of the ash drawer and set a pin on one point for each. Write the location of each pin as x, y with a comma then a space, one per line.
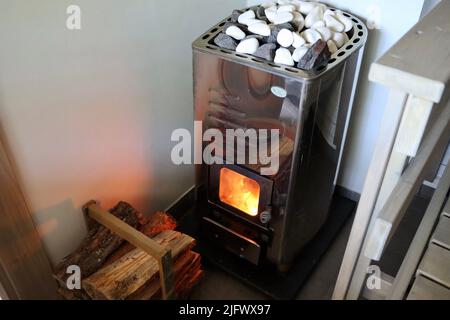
243, 247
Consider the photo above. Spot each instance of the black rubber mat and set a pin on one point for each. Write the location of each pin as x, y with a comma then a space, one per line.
266, 278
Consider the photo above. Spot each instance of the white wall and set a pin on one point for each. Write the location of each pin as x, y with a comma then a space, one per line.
89, 113
428, 6
396, 18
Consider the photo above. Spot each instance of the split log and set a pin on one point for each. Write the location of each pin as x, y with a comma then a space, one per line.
99, 244
186, 268
126, 275
73, 294
188, 277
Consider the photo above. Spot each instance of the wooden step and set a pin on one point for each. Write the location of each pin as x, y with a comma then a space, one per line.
441, 236
436, 265
425, 289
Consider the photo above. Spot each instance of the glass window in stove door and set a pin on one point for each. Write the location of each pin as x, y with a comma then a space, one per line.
239, 191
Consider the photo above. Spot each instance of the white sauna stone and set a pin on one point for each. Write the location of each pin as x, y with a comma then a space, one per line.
235, 32
283, 56
314, 16
267, 5
333, 24
298, 21
248, 46
286, 8
318, 24
305, 7
348, 24
284, 2
332, 46
322, 5
261, 29
326, 33
339, 39
298, 40
271, 13
311, 36
285, 38
299, 53
297, 4
283, 17
250, 14
249, 22
328, 12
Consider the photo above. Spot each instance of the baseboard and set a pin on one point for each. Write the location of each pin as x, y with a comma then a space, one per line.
349, 194
426, 192
182, 205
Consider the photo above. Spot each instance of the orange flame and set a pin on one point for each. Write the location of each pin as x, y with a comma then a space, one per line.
239, 191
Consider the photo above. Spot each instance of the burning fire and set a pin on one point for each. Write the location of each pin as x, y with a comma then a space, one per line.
239, 191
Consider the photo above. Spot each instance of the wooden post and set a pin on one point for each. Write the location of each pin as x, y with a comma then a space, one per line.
424, 81
378, 165
385, 222
25, 271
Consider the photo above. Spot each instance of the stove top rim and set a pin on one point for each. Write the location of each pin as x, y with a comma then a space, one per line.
357, 41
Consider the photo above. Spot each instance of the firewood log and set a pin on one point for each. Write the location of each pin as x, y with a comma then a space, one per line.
126, 275
156, 223
73, 294
99, 244
185, 267
189, 279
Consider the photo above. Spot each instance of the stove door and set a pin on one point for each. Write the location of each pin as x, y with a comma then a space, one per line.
241, 192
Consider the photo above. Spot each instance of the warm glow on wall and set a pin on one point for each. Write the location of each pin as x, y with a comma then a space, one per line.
239, 191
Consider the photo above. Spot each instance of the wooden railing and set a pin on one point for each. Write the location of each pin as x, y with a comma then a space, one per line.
414, 134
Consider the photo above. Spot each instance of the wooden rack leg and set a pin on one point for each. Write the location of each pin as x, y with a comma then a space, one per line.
378, 165
409, 137
166, 276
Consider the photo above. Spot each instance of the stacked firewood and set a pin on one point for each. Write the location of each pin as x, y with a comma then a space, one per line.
113, 269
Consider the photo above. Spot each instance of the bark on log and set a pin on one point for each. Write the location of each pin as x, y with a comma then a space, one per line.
99, 244
151, 226
73, 294
156, 223
126, 275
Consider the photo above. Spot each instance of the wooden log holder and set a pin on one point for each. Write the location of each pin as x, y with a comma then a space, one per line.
159, 252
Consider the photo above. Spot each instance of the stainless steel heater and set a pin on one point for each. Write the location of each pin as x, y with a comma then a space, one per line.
273, 217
